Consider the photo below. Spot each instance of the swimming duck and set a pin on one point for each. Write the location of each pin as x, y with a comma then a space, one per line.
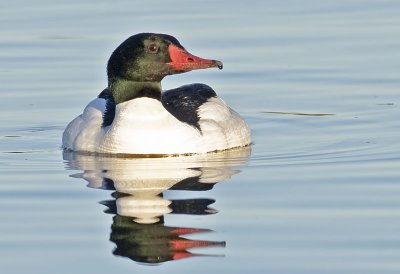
133, 116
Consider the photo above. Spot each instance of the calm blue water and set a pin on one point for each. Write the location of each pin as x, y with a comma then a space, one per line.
318, 192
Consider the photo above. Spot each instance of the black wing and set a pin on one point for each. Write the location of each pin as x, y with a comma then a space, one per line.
183, 102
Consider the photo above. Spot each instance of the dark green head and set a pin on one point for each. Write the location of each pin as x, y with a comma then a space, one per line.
149, 57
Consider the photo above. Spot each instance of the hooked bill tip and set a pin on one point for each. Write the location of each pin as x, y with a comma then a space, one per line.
219, 64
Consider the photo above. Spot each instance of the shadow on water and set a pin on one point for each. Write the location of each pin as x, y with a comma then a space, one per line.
138, 204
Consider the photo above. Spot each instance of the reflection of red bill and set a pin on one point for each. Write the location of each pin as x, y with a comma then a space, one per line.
182, 255
185, 230
183, 244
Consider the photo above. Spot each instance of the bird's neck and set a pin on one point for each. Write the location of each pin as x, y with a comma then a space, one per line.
125, 90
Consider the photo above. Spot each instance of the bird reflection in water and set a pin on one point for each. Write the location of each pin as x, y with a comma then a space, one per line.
139, 207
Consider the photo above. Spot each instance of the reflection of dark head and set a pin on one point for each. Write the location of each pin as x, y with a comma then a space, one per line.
146, 243
153, 243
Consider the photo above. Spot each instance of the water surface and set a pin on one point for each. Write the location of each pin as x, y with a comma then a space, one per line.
318, 192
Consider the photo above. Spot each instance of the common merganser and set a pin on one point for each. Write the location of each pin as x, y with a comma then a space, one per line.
133, 116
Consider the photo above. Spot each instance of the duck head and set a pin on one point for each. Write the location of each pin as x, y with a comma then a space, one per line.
149, 57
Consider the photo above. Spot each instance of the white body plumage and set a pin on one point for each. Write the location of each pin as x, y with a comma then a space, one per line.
144, 126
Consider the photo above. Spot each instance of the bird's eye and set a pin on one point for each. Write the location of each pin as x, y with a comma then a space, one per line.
153, 48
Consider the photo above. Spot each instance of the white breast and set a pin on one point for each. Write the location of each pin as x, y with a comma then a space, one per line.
144, 126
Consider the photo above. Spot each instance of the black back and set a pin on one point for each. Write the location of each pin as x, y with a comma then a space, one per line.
183, 102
